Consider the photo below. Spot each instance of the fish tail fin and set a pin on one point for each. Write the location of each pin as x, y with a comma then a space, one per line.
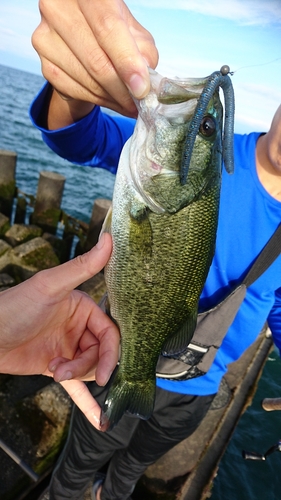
126, 396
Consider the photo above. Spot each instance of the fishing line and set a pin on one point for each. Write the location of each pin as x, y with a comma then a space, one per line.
256, 65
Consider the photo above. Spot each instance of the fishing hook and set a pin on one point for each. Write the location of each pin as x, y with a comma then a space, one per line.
215, 80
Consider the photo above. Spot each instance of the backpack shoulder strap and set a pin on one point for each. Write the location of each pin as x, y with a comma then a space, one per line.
266, 257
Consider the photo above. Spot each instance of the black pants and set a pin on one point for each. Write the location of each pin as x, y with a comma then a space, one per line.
130, 447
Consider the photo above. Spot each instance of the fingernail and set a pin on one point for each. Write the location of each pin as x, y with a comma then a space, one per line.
104, 422
53, 368
100, 242
96, 420
65, 376
105, 381
138, 86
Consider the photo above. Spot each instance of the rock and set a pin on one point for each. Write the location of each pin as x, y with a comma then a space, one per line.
6, 281
4, 224
25, 260
21, 233
4, 247
34, 255
34, 419
95, 287
61, 246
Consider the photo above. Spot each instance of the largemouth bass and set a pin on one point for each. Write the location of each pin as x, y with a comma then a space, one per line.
163, 224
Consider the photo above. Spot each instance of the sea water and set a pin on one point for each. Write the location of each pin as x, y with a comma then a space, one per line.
83, 184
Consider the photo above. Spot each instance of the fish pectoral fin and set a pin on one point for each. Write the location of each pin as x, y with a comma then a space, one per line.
106, 227
179, 340
138, 210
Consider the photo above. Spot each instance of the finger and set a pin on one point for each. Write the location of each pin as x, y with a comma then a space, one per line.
71, 274
66, 85
61, 67
109, 339
71, 46
96, 361
58, 363
82, 397
68, 76
117, 33
81, 368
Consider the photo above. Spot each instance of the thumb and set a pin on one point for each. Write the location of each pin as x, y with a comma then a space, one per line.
83, 267
82, 397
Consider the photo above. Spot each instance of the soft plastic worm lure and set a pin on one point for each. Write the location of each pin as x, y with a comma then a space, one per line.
215, 80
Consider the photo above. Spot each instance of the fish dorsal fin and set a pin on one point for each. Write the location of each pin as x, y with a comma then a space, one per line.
179, 340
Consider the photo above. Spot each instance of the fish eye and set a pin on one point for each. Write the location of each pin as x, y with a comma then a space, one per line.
207, 126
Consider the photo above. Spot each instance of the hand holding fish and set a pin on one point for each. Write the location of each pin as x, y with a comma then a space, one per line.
47, 327
95, 51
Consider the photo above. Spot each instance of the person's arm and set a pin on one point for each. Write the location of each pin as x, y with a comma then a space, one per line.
61, 111
47, 327
93, 51
95, 140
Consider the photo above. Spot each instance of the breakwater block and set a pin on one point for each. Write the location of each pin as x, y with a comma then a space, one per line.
8, 160
100, 209
36, 253
21, 233
95, 287
26, 259
4, 247
4, 224
6, 281
35, 413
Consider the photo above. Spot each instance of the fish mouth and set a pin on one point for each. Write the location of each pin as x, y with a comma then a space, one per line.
175, 91
174, 100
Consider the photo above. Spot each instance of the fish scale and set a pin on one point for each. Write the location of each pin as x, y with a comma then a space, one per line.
163, 241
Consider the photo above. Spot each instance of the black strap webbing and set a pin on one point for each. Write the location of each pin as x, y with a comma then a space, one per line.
267, 256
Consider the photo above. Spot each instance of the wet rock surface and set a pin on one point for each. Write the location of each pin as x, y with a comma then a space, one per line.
21, 233
34, 418
25, 259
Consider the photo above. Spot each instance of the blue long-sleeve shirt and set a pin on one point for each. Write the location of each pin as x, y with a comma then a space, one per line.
248, 217
96, 140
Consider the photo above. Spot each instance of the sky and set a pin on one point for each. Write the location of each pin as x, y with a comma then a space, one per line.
194, 38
